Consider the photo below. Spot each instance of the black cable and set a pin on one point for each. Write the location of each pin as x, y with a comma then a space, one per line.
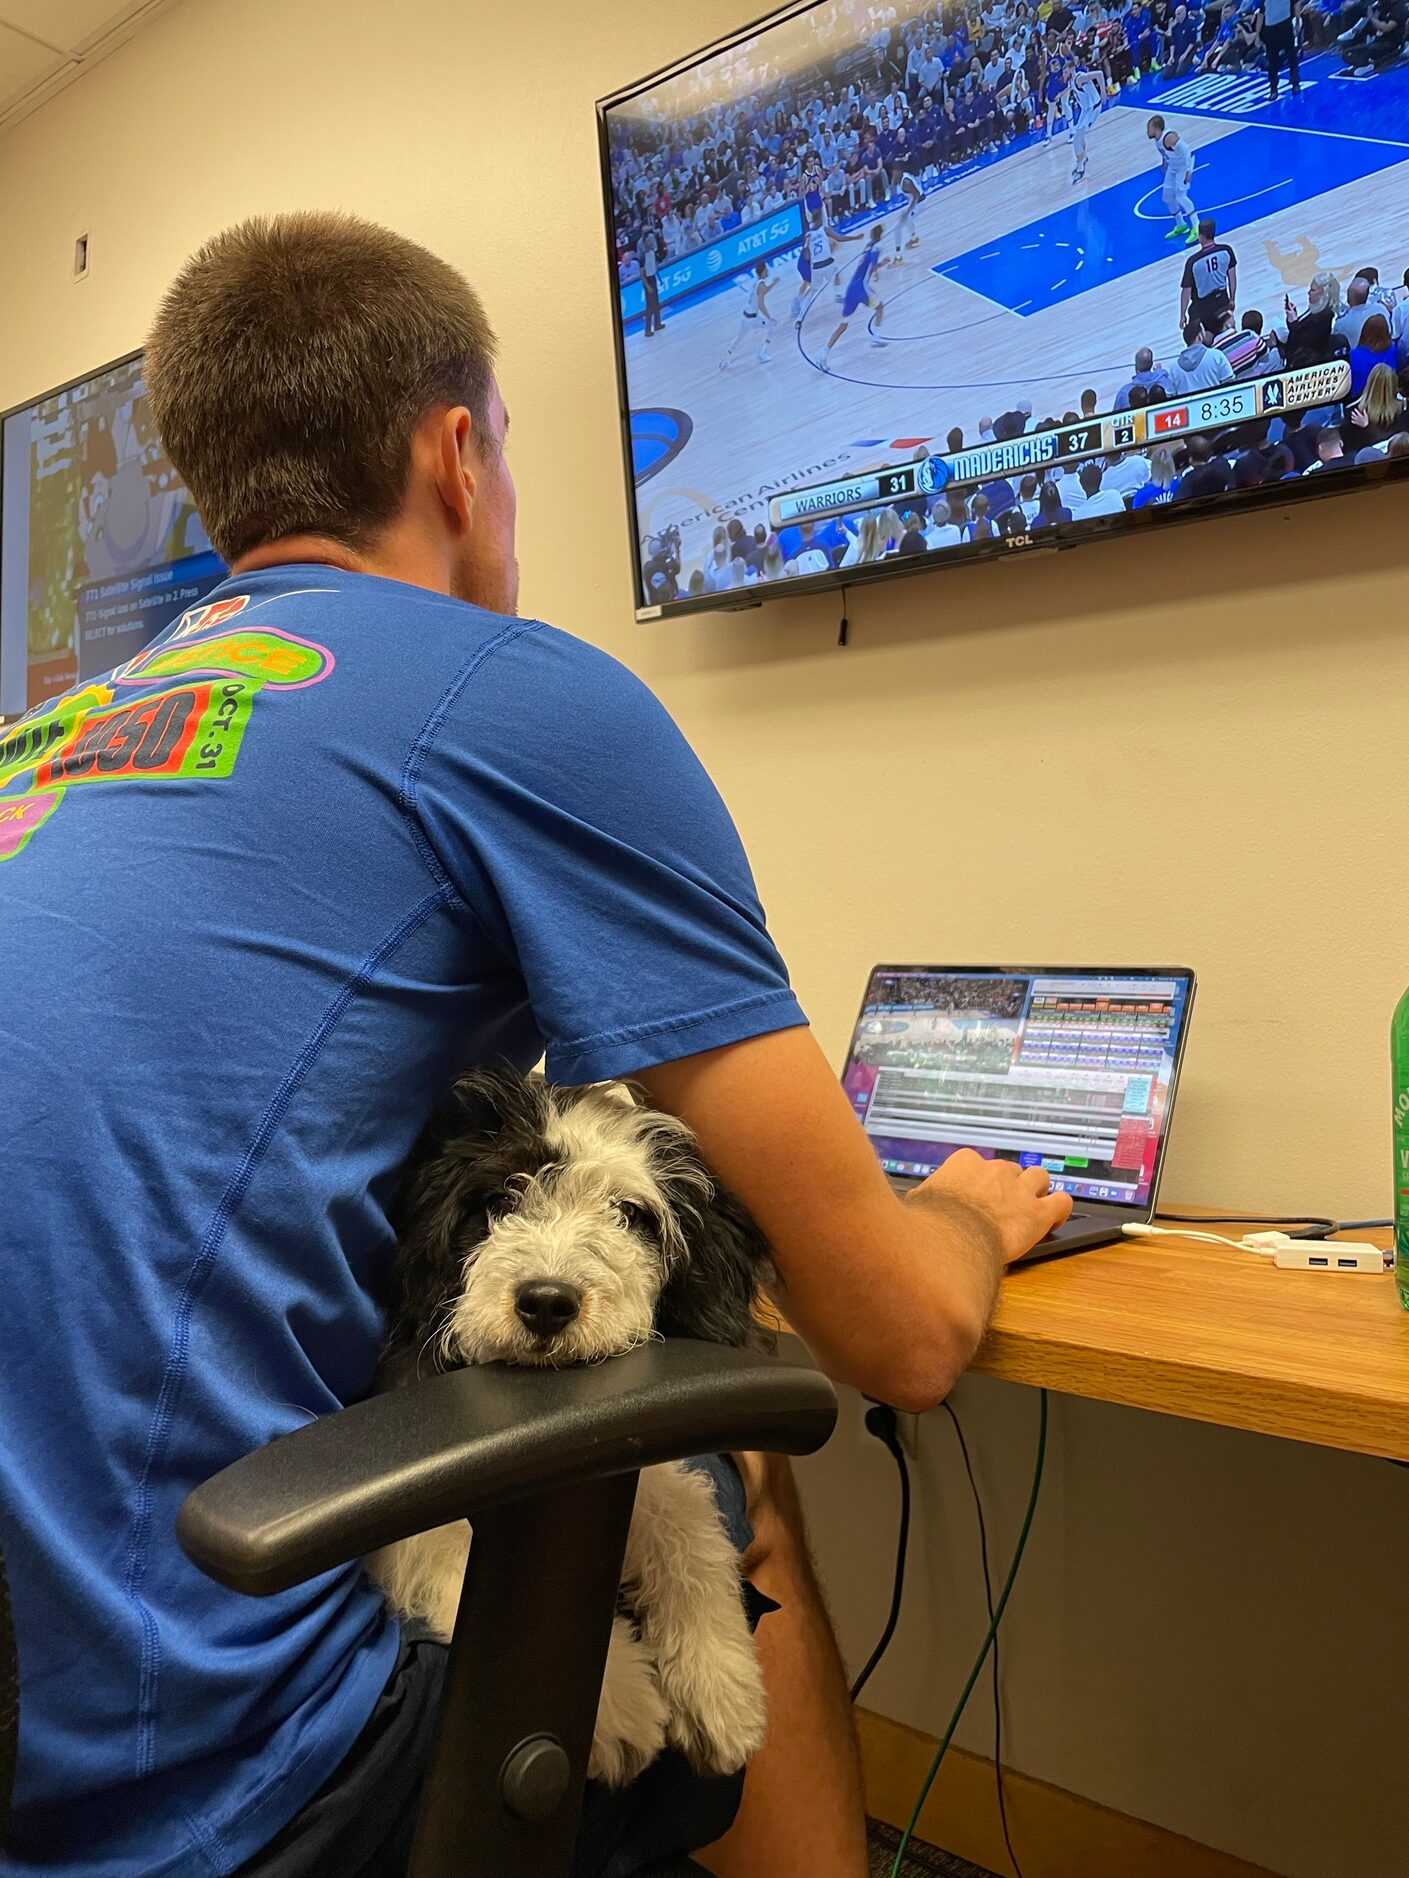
844, 633
1313, 1227
1019, 1551
881, 1422
988, 1602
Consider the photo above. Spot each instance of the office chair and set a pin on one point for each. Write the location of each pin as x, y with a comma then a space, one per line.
544, 1463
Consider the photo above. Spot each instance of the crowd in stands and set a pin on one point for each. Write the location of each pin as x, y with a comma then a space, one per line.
917, 90
972, 997
920, 88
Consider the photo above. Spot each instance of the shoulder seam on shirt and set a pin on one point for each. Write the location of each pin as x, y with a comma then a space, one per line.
408, 800
174, 1369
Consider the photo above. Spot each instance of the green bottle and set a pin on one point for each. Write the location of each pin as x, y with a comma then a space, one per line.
1399, 1064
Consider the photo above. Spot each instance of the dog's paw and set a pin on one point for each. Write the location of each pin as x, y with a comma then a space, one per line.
631, 1716
717, 1709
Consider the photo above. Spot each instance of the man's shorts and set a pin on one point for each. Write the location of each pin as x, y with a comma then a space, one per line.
362, 1823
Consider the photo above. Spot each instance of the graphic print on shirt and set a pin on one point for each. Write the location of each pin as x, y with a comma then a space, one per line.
191, 727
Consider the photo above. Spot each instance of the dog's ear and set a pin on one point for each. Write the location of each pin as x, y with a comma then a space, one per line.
441, 1202
711, 1293
487, 1101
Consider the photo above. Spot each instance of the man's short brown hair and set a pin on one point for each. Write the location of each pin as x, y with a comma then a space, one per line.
290, 362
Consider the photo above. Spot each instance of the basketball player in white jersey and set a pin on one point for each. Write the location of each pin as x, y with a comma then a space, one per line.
912, 194
817, 259
1177, 167
755, 317
1084, 105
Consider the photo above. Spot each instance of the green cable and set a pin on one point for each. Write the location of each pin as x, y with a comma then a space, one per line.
896, 1870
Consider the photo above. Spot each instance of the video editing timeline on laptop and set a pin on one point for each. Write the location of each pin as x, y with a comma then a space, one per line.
1069, 1072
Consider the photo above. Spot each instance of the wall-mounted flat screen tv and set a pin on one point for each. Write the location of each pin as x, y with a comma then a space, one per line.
902, 285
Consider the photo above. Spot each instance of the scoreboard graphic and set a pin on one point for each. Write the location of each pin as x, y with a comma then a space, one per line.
1042, 450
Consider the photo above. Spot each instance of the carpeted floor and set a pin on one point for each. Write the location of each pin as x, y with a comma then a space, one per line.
921, 1860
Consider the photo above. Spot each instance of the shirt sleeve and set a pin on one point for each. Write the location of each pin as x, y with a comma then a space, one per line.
573, 818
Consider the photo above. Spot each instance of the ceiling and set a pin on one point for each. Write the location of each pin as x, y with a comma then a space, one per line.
46, 44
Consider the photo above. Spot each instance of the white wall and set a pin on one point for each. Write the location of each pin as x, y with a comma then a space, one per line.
1182, 749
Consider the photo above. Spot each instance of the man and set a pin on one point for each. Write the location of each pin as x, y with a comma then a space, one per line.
1126, 473
1330, 451
811, 557
1141, 379
1378, 40
1246, 47
1183, 43
1014, 423
1094, 499
755, 320
1399, 327
366, 829
1243, 346
1208, 291
1220, 48
1357, 310
1085, 108
1279, 18
1199, 367
1177, 173
859, 293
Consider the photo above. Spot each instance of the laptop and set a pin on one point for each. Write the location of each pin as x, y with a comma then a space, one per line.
1069, 1067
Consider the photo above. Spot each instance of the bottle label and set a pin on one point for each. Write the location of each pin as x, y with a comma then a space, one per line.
1401, 1171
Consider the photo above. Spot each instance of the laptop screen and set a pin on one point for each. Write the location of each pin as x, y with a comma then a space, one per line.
1070, 1070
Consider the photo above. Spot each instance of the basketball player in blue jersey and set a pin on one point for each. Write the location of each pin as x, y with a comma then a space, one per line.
1058, 78
817, 259
858, 291
1084, 107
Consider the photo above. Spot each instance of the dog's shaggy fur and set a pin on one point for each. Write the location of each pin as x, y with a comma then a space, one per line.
548, 1225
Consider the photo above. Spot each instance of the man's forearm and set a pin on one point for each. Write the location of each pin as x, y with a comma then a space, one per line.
891, 1296
905, 1320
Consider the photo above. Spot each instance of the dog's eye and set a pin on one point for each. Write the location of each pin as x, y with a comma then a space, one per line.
632, 1215
501, 1203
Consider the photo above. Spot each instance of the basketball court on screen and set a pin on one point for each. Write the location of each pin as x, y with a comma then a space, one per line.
1022, 287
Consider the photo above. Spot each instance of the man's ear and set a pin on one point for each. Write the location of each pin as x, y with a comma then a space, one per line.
454, 459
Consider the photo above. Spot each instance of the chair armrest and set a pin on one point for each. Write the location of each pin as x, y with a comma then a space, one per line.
455, 1445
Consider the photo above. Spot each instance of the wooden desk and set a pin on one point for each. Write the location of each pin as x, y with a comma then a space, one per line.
1214, 1335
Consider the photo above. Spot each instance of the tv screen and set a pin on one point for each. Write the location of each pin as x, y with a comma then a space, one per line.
909, 283
100, 544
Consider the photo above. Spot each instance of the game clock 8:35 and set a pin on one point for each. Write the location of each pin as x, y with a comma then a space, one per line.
1226, 407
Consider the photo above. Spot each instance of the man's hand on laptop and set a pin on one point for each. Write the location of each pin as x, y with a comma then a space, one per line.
1015, 1203
891, 1296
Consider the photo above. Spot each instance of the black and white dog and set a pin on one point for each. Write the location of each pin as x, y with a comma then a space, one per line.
548, 1225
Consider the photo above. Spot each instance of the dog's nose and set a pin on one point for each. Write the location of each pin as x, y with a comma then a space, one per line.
547, 1306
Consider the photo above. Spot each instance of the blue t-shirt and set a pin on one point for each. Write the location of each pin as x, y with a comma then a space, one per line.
265, 891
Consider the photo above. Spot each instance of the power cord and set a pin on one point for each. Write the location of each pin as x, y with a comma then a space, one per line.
881, 1422
950, 1411
1311, 1227
898, 1867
